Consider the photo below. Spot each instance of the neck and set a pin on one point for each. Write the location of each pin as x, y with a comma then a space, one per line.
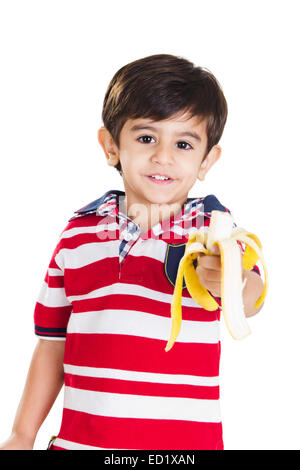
148, 215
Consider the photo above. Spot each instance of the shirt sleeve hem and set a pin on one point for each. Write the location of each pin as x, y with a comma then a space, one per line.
50, 333
51, 338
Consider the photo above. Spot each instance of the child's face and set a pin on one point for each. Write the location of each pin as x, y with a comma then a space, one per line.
173, 147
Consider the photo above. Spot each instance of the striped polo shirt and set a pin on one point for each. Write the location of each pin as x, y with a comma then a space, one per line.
107, 293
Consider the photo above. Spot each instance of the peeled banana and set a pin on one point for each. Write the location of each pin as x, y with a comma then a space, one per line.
222, 232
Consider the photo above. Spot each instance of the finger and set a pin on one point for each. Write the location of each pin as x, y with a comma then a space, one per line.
214, 287
210, 262
215, 290
209, 274
215, 249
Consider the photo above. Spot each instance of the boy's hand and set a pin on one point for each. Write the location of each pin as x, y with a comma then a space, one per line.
209, 271
16, 442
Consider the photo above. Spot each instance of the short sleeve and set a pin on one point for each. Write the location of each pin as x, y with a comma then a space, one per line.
52, 309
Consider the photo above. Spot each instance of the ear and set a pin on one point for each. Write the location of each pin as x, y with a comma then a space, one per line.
110, 149
211, 158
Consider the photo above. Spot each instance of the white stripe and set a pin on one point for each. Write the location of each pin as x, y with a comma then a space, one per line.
141, 406
147, 325
52, 296
69, 445
55, 272
74, 258
180, 231
93, 229
134, 289
51, 338
141, 376
154, 249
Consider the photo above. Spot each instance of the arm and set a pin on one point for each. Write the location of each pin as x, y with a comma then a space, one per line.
44, 381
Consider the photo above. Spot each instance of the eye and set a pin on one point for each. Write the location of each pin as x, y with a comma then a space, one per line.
184, 143
145, 137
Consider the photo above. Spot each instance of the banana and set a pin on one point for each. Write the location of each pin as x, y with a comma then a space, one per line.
222, 232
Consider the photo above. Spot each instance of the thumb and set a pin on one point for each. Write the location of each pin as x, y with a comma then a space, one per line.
215, 250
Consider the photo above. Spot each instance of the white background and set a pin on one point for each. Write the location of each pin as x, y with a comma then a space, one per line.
57, 58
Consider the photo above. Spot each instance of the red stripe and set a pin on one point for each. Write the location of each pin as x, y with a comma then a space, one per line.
241, 246
89, 220
51, 317
54, 281
137, 433
142, 304
256, 267
53, 264
97, 384
101, 236
136, 353
83, 280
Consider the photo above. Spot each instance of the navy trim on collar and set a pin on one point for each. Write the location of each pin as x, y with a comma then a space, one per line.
93, 206
211, 203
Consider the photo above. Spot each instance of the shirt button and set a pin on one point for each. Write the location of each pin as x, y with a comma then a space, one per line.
128, 236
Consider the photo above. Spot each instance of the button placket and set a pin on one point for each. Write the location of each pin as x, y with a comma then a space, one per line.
128, 236
126, 272
130, 232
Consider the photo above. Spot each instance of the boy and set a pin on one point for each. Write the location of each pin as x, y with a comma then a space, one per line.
103, 314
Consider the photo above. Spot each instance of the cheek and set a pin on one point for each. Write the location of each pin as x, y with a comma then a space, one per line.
125, 156
132, 164
127, 160
132, 153
189, 167
189, 171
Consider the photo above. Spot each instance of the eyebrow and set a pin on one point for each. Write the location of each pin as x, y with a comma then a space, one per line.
139, 127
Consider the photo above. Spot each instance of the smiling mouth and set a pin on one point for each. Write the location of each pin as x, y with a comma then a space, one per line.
160, 181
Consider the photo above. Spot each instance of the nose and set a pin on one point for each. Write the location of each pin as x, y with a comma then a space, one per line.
163, 154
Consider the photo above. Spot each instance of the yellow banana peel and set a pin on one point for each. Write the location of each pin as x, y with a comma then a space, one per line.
222, 232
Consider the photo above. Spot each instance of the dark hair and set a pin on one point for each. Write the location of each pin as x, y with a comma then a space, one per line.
160, 86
